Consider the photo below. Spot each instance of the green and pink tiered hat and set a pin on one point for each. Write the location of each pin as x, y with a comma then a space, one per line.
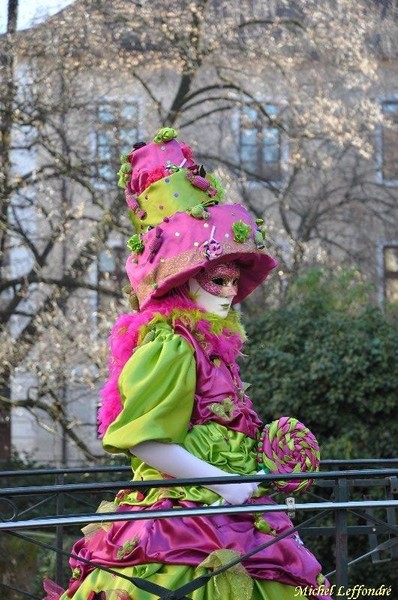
182, 224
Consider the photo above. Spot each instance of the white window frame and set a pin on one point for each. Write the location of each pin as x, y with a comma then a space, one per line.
282, 146
392, 98
122, 142
383, 275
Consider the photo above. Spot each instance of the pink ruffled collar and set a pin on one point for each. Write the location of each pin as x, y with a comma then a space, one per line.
126, 333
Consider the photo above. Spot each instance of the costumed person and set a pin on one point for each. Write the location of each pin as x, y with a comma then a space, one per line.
175, 404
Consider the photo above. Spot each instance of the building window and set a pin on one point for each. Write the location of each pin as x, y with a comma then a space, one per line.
260, 143
389, 142
111, 275
390, 269
116, 132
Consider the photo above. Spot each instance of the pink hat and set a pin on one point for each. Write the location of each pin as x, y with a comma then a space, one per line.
181, 224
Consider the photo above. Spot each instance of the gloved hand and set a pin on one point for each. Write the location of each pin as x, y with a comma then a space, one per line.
178, 462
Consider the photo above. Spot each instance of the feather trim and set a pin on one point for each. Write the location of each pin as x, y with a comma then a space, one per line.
222, 337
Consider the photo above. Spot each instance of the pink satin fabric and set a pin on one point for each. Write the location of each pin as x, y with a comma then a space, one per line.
189, 540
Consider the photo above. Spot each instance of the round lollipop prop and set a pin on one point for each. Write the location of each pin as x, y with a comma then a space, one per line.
288, 446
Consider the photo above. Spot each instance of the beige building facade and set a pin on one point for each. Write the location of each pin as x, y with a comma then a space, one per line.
309, 144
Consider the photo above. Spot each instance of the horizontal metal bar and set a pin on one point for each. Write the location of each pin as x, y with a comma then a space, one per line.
351, 530
372, 482
192, 512
137, 485
14, 589
71, 487
359, 461
389, 462
69, 471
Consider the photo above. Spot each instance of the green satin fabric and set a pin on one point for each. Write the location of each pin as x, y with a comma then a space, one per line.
157, 408
225, 448
231, 451
157, 387
222, 587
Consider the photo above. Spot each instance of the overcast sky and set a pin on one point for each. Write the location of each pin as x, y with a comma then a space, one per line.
31, 10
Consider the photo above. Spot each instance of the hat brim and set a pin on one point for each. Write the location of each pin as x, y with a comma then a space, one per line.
254, 269
183, 248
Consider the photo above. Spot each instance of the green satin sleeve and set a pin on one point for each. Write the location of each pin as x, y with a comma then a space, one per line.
157, 387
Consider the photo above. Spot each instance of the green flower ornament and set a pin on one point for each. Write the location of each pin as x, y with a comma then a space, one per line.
241, 231
135, 244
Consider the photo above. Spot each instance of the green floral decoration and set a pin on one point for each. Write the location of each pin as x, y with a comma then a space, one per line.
259, 239
241, 231
173, 168
262, 524
261, 227
127, 547
234, 583
216, 183
166, 134
124, 171
133, 298
199, 212
224, 409
135, 244
76, 573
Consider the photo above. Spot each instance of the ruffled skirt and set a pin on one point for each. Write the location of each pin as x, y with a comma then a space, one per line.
173, 551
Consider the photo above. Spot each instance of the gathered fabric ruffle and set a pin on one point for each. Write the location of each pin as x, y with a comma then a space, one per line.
188, 542
231, 451
233, 585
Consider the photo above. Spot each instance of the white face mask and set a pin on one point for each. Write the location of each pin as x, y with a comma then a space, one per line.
215, 304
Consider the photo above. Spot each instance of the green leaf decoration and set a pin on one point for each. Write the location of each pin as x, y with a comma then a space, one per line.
126, 168
199, 212
259, 239
124, 171
166, 134
262, 524
127, 547
224, 409
123, 180
76, 573
235, 583
135, 244
216, 183
241, 231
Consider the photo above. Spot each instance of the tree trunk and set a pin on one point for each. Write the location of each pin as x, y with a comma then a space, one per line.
5, 150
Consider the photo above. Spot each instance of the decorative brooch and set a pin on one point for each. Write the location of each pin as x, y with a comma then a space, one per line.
212, 248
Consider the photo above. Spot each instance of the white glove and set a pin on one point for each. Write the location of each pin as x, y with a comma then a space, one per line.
178, 462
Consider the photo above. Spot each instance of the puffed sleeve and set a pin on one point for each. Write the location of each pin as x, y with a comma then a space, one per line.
157, 388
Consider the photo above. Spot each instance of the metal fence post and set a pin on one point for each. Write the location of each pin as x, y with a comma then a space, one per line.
341, 538
59, 535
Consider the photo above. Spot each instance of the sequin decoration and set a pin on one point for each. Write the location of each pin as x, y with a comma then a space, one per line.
220, 280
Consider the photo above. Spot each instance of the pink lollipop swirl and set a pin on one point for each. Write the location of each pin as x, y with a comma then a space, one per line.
288, 446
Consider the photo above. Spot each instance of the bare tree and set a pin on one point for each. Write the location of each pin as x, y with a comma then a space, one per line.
303, 72
7, 68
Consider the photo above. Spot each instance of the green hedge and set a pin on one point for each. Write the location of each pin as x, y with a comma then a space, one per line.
331, 360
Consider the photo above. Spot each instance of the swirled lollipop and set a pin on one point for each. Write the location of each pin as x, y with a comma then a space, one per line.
288, 446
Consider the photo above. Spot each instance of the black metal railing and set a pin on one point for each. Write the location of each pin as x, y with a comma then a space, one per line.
348, 499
